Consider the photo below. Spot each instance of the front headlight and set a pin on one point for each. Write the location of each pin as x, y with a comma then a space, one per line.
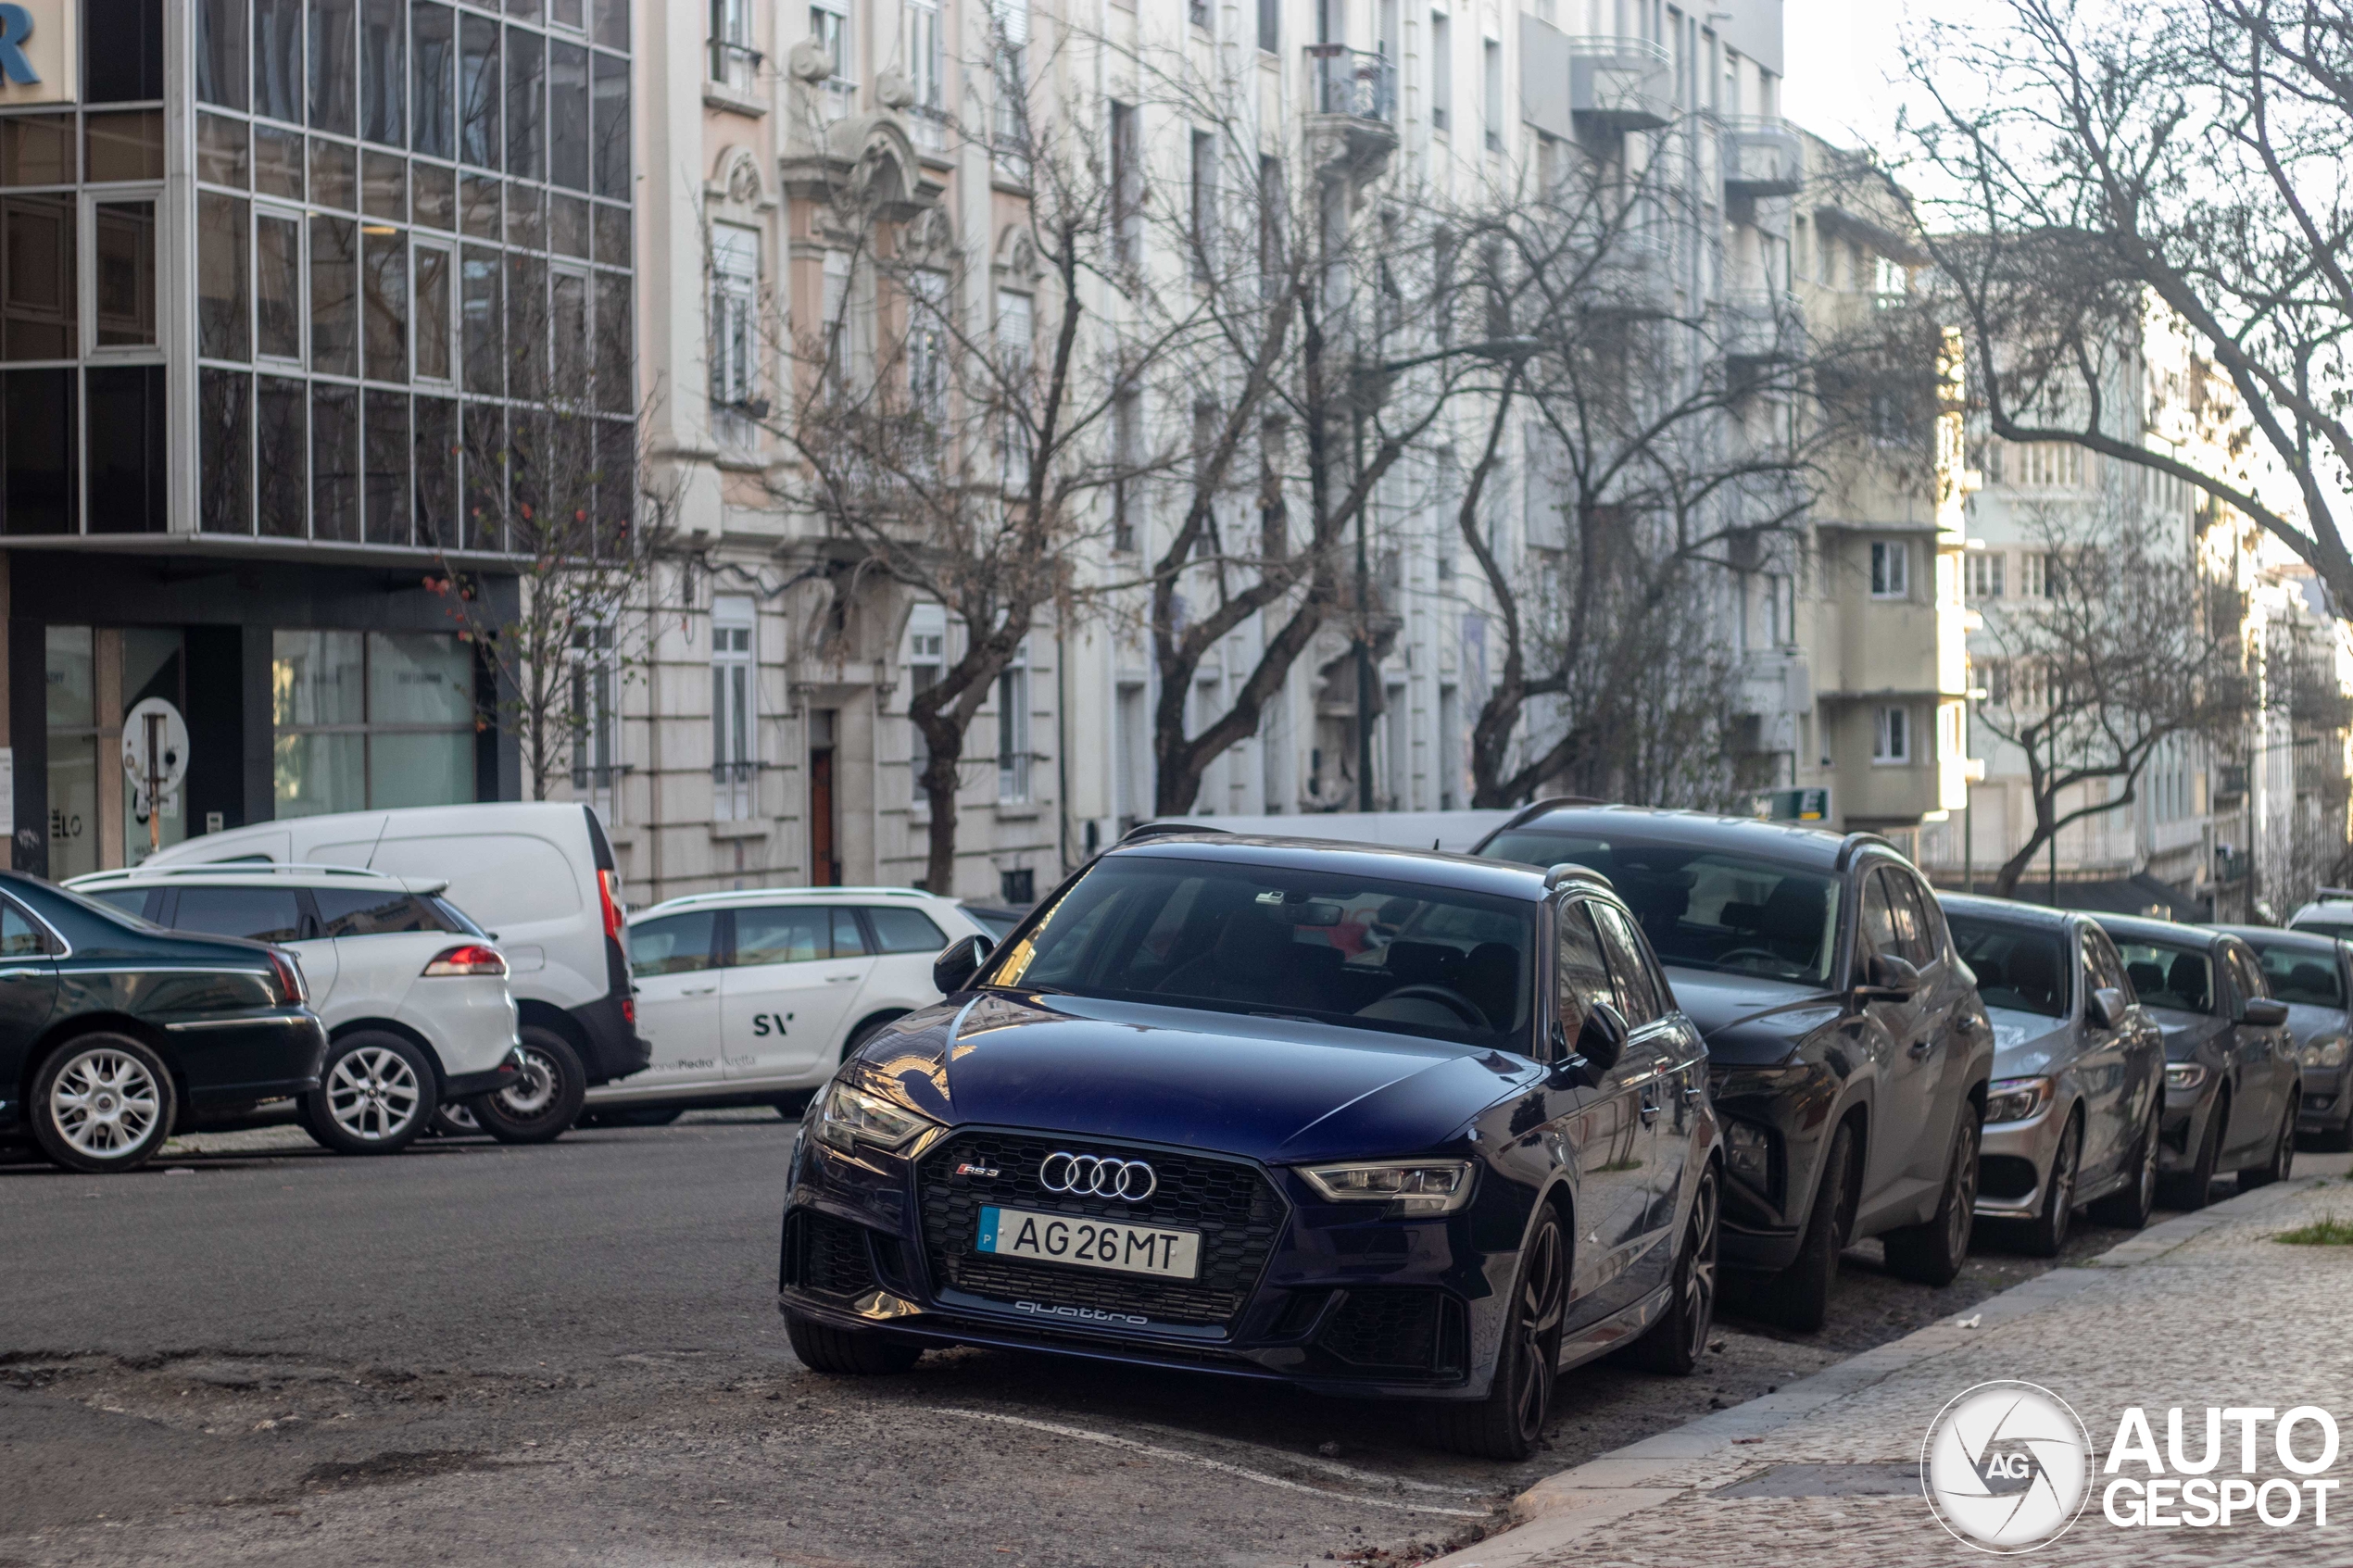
1748, 1154
1411, 1187
2015, 1099
2185, 1075
852, 1116
2327, 1052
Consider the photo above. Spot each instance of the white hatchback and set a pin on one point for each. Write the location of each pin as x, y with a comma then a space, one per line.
754, 998
413, 994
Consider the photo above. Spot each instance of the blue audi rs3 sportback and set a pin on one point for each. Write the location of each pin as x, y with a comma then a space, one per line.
1373, 1123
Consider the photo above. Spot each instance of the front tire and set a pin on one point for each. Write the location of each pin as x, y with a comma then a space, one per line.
1509, 1423
2281, 1164
2189, 1190
2130, 1208
2058, 1195
375, 1094
1674, 1343
848, 1352
102, 1103
1932, 1254
547, 1099
1799, 1297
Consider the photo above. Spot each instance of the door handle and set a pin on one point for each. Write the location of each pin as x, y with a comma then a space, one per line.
1924, 1045
1692, 1092
838, 979
697, 991
1650, 1107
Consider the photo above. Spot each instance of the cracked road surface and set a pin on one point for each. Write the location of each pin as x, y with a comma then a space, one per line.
257, 1353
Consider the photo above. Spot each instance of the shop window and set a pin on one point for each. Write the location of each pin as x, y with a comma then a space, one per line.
568, 116
384, 186
39, 465
379, 720
334, 461
437, 480
433, 64
37, 294
147, 661
224, 326
478, 137
72, 684
126, 449
277, 285
221, 51
126, 66
277, 59
334, 296
383, 72
385, 497
332, 39
224, 438
335, 174
526, 103
434, 196
123, 301
277, 163
225, 151
37, 150
384, 303
123, 146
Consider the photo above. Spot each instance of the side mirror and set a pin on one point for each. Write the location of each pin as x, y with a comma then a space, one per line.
1603, 1039
2264, 1012
1892, 975
959, 961
2104, 1009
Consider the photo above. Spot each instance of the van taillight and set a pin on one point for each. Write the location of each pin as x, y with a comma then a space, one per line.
608, 889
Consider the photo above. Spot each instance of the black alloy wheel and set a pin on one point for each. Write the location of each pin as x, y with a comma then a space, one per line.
1509, 1423
1932, 1253
2281, 1164
2058, 1195
1674, 1343
2192, 1189
546, 1097
2129, 1208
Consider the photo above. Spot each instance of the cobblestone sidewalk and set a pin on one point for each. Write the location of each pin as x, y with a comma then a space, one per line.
2202, 1310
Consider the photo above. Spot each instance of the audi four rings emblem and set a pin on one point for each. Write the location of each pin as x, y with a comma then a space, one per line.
1091, 1176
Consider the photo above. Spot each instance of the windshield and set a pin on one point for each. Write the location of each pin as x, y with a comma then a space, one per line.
1704, 909
2298, 974
2017, 967
2179, 978
1391, 956
2323, 927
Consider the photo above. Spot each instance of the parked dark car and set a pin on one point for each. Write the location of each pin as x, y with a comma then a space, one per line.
2073, 1117
1848, 1052
1371, 1121
2231, 1084
113, 1033
2312, 972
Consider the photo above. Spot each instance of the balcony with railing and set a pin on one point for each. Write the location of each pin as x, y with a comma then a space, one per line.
1352, 110
1624, 83
1762, 157
1758, 327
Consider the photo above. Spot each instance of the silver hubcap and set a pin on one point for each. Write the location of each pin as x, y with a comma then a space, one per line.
105, 1103
537, 1089
372, 1093
1699, 1290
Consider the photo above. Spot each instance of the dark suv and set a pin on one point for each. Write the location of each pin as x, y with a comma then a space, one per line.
1848, 1052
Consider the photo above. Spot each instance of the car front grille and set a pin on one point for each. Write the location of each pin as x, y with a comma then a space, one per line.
1385, 1328
2005, 1177
1238, 1212
829, 1256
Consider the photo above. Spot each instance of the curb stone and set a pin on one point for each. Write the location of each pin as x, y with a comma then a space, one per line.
1562, 1508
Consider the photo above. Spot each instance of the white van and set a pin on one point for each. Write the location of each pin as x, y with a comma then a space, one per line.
539, 877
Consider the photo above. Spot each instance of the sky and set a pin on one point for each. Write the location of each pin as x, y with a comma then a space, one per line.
1838, 57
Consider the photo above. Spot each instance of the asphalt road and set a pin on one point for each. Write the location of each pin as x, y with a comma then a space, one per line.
476, 1354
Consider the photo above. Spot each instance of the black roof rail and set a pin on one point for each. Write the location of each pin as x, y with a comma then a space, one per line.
1861, 841
1569, 871
1143, 830
2332, 894
1536, 808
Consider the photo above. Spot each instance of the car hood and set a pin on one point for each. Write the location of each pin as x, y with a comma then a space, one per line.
2308, 1022
1748, 1020
1268, 1088
2027, 1045
2185, 1031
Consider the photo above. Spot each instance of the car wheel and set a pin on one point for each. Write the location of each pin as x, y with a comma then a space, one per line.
2282, 1161
376, 1093
548, 1098
2058, 1195
1676, 1342
2190, 1189
1799, 1297
454, 1118
1932, 1253
1509, 1423
848, 1352
102, 1102
2130, 1208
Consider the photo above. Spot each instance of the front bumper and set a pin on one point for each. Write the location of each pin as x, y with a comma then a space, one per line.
2327, 1106
2015, 1161
2182, 1128
1369, 1308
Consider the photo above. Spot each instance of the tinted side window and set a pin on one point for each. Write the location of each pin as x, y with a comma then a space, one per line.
673, 944
1879, 933
266, 914
19, 938
2105, 961
905, 931
356, 911
1581, 977
848, 941
130, 900
2247, 975
1636, 996
775, 936
1914, 943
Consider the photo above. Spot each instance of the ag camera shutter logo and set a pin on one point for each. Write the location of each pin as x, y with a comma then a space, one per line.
2006, 1467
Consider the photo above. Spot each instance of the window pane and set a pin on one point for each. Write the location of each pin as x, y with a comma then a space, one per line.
567, 226
612, 236
612, 23
127, 69
478, 201
281, 457
485, 504
126, 443
72, 681
478, 142
616, 390
429, 770
384, 186
223, 223
906, 931
433, 313
277, 162
331, 40
764, 937
673, 944
437, 454
567, 317
432, 72
221, 51
125, 292
264, 914
321, 774
36, 150
354, 913
612, 128
334, 297
334, 461
386, 497
73, 806
224, 429
486, 367
383, 72
223, 157
277, 59
335, 174
526, 103
384, 276
566, 13
315, 679
277, 273
419, 678
37, 424
124, 145
567, 115
616, 481
37, 292
526, 215
526, 326
434, 196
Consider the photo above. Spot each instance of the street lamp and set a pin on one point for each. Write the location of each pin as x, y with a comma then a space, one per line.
1367, 385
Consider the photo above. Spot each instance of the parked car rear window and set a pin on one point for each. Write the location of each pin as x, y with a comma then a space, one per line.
2300, 975
673, 944
1704, 909
1233, 938
372, 911
2021, 968
266, 914
2179, 978
907, 931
